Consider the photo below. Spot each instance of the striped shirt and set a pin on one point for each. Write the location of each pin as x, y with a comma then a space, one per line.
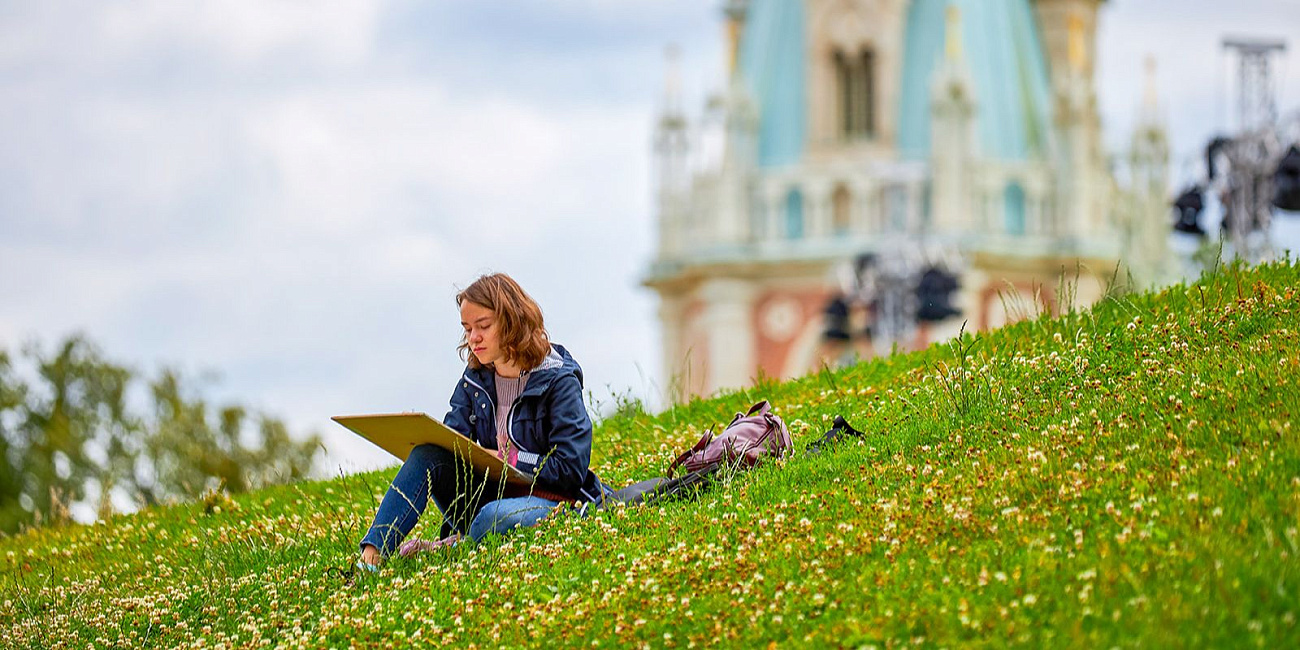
508, 390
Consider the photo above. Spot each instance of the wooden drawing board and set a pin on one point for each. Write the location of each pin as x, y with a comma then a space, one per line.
399, 433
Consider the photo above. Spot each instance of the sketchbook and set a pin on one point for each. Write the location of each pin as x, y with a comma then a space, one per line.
399, 433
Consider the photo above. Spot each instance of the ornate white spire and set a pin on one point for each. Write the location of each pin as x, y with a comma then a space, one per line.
672, 147
735, 11
952, 120
1146, 250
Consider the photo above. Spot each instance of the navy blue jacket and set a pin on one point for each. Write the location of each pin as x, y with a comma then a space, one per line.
548, 423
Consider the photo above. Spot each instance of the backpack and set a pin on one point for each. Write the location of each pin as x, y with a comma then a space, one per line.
747, 440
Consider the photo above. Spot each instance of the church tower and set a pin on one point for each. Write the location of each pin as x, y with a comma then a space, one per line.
1069, 30
855, 51
953, 122
1146, 205
671, 149
965, 131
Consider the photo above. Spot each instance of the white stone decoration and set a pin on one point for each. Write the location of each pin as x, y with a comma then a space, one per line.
780, 319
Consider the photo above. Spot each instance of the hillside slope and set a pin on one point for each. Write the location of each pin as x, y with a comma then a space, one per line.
1127, 476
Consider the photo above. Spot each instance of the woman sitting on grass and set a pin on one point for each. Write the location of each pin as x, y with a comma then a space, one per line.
520, 395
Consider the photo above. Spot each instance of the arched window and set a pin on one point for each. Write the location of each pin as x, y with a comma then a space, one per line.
794, 214
896, 208
855, 81
757, 222
841, 210
1013, 198
927, 206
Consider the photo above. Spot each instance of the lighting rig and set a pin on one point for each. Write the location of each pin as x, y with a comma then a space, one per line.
1255, 171
883, 296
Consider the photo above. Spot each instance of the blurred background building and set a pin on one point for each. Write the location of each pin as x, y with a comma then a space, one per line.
863, 150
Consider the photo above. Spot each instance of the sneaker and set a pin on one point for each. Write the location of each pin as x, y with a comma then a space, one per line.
413, 546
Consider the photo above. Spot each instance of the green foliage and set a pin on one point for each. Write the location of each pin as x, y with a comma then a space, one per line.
1127, 476
71, 427
11, 485
189, 452
52, 422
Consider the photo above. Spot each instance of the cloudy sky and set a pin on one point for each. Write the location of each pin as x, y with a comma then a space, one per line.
289, 193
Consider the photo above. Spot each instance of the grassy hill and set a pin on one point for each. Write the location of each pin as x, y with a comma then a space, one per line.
1127, 476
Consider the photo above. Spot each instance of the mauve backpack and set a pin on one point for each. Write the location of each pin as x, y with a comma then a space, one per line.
747, 440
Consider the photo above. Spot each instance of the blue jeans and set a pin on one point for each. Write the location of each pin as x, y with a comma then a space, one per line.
468, 504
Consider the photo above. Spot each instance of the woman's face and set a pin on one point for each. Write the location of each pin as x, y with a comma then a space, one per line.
481, 332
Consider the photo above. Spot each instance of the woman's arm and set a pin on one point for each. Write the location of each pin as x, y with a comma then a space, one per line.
565, 462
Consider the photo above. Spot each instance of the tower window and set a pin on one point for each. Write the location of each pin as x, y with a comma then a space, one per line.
841, 210
855, 82
896, 208
794, 214
1013, 198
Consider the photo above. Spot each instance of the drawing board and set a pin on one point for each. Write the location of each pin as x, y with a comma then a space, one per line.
399, 433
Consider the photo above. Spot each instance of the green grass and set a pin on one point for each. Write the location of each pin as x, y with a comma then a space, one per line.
1127, 476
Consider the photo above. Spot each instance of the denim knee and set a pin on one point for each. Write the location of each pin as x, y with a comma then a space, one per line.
504, 515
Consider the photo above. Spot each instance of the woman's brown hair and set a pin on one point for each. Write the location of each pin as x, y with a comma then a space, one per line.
520, 330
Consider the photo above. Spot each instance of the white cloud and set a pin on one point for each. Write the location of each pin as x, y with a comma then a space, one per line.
305, 240
246, 32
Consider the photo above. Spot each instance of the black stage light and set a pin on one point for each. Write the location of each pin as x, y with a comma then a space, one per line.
1189, 205
1286, 181
934, 295
837, 320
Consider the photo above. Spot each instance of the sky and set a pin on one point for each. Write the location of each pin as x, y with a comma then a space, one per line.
283, 197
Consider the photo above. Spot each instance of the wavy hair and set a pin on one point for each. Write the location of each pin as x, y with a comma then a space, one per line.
521, 331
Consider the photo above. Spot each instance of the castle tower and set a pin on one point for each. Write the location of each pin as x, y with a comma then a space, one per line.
1069, 29
735, 112
855, 52
1146, 209
953, 123
1069, 36
859, 128
671, 149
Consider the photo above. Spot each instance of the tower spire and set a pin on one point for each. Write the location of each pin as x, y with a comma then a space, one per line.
952, 35
1075, 50
1146, 207
672, 82
1149, 103
671, 150
952, 119
735, 11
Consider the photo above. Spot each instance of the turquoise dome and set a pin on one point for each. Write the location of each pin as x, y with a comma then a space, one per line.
1001, 46
1004, 54
773, 62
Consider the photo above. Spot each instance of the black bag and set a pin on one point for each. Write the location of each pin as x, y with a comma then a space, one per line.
840, 430
655, 490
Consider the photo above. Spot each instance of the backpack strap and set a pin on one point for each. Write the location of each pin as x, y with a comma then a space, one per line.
699, 446
760, 408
